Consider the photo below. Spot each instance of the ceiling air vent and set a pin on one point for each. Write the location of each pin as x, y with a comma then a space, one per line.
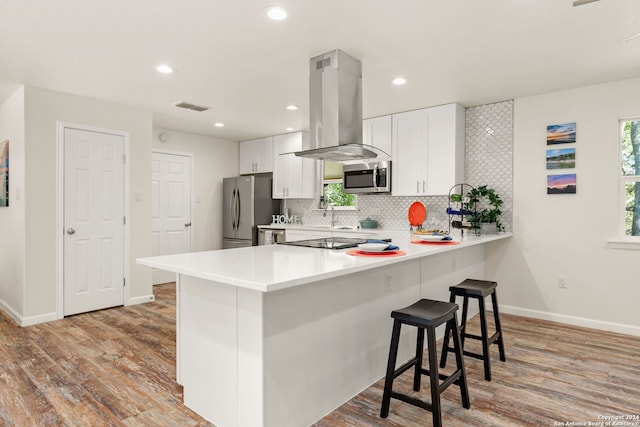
190, 106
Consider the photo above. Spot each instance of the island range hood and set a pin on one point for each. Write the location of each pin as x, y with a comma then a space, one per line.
335, 109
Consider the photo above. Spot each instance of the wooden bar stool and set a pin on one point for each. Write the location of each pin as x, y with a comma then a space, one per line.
425, 314
478, 289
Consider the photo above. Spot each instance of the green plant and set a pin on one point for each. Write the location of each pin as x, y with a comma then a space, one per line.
485, 204
334, 195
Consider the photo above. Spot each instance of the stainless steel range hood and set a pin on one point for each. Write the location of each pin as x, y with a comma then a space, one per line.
335, 108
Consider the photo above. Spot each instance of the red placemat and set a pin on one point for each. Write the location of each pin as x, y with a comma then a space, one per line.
439, 243
357, 252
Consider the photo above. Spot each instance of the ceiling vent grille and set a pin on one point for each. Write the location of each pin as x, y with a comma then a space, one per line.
190, 106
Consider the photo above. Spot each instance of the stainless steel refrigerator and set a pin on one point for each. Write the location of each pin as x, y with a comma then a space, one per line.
247, 203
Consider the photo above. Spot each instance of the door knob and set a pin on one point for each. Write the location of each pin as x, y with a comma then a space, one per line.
187, 224
71, 231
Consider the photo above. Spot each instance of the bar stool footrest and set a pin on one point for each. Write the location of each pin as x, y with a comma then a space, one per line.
469, 353
412, 400
404, 368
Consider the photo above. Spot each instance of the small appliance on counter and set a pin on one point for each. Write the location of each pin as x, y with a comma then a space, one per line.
368, 223
270, 236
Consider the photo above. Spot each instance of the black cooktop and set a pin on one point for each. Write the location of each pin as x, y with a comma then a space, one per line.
328, 243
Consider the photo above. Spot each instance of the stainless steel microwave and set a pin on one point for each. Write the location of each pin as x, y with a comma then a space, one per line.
367, 178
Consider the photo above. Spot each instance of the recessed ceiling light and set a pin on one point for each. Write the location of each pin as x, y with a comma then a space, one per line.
219, 125
289, 129
292, 107
399, 81
277, 13
165, 69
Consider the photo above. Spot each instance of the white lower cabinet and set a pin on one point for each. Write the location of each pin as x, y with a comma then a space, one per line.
293, 177
428, 150
296, 235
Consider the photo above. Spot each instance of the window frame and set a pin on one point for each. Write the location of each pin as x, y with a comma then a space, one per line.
337, 181
623, 181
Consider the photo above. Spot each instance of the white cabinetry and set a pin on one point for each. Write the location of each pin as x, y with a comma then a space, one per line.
428, 150
293, 177
256, 156
296, 235
377, 132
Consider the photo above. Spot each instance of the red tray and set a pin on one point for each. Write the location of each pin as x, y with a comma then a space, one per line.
437, 242
358, 252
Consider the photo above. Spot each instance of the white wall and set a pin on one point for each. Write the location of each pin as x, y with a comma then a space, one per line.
43, 110
566, 235
12, 221
214, 159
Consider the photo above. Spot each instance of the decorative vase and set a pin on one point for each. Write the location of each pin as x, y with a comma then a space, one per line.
488, 228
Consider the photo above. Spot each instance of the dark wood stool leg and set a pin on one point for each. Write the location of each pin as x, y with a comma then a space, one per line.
434, 378
485, 340
419, 350
462, 381
445, 340
391, 365
496, 316
463, 321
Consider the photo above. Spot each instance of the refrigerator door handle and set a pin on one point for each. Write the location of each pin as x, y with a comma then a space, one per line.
232, 210
238, 208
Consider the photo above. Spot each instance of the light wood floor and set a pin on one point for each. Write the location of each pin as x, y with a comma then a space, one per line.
117, 367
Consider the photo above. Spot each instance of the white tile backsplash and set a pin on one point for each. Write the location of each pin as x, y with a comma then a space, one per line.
488, 161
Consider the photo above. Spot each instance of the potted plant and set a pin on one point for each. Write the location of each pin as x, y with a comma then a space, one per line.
486, 214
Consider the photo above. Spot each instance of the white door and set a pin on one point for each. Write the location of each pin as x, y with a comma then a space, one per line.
171, 215
93, 275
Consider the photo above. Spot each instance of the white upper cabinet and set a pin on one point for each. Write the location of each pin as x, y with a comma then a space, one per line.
428, 151
377, 132
293, 177
256, 156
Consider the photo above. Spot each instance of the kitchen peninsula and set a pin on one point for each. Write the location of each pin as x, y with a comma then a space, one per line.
279, 336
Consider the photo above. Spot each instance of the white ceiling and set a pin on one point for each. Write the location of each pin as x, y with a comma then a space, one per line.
230, 57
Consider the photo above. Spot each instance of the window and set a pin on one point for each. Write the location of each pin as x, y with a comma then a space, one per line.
332, 187
630, 178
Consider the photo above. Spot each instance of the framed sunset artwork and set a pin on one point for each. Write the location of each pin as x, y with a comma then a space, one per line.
561, 184
561, 134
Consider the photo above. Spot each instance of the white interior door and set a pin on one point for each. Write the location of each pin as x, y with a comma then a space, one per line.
171, 217
93, 264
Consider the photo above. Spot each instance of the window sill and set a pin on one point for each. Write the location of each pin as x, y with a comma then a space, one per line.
338, 208
624, 244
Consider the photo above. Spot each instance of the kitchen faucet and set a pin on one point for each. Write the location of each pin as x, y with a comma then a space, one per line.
333, 214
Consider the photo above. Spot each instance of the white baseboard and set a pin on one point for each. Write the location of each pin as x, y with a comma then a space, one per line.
29, 320
572, 320
40, 318
140, 300
48, 317
9, 311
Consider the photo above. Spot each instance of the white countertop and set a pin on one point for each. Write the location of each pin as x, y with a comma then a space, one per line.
274, 267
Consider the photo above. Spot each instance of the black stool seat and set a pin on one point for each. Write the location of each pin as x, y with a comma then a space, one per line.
477, 289
480, 288
425, 312
425, 315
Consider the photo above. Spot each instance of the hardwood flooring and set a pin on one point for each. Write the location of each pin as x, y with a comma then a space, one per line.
116, 367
